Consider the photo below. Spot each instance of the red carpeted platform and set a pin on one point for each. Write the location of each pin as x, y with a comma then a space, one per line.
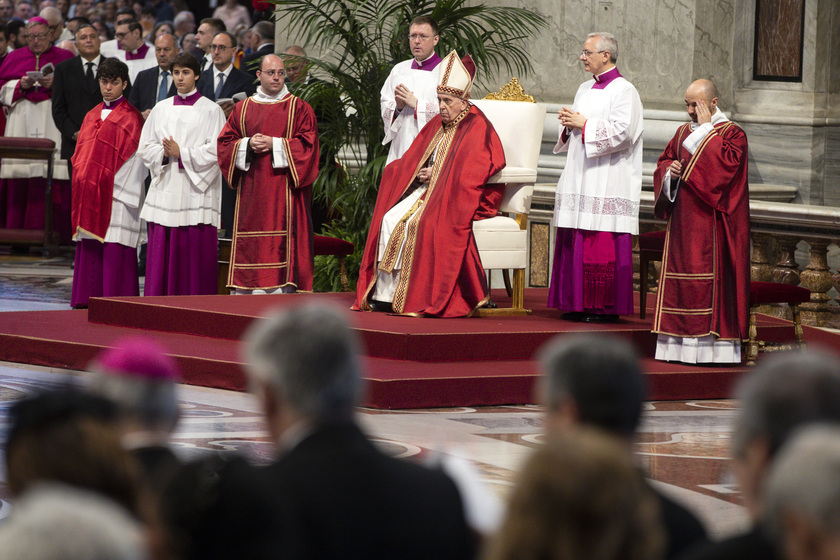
411, 363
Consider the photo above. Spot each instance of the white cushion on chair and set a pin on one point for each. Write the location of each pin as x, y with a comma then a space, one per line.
501, 243
517, 198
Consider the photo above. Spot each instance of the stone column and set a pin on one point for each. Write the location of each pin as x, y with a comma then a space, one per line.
817, 278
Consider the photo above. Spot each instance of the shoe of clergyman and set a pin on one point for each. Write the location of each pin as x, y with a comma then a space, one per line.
599, 318
381, 306
575, 316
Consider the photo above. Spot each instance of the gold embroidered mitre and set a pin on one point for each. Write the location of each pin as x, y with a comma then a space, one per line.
456, 75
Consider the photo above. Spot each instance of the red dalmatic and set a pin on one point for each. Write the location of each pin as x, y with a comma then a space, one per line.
441, 273
103, 147
272, 237
704, 283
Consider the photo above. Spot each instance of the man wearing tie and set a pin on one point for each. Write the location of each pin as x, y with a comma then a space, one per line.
207, 29
155, 84
222, 81
76, 90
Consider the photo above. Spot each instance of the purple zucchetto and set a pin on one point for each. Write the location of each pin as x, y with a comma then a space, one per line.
36, 20
138, 357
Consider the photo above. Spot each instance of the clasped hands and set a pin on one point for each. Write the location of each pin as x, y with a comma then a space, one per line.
261, 143
404, 96
571, 119
171, 148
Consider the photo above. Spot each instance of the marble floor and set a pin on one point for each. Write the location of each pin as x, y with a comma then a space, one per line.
681, 445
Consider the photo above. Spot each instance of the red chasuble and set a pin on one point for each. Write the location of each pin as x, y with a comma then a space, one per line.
272, 236
441, 274
704, 285
102, 149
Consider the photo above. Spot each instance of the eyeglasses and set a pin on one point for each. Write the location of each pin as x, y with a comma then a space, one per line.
415, 36
587, 54
272, 73
37, 36
221, 48
122, 35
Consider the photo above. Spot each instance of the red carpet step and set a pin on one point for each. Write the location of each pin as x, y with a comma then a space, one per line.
410, 362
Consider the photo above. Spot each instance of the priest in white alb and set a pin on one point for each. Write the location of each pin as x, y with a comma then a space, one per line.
596, 208
409, 97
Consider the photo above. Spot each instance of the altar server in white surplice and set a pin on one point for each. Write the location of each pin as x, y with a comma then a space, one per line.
597, 199
409, 97
178, 145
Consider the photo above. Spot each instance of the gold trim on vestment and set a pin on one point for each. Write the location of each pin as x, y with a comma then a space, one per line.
687, 276
682, 133
687, 311
262, 233
445, 135
265, 265
716, 131
83, 230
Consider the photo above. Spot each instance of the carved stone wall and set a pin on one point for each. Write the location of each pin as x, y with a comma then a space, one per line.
793, 127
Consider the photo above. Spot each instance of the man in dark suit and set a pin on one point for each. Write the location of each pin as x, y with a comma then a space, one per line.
340, 496
262, 43
233, 80
76, 90
207, 29
156, 84
590, 382
223, 81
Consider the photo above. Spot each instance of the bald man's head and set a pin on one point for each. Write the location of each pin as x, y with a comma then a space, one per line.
701, 90
52, 15
704, 89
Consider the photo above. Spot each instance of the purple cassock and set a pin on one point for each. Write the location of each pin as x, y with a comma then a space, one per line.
182, 260
103, 270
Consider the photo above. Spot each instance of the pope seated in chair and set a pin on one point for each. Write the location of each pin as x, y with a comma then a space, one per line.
420, 257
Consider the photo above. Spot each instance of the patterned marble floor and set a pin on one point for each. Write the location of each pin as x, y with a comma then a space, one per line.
682, 445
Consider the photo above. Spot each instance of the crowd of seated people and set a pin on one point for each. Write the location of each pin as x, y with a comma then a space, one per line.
89, 466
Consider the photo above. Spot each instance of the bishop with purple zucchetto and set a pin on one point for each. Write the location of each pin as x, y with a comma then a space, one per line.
28, 97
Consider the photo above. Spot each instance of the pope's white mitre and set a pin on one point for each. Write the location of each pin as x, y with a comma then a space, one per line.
456, 75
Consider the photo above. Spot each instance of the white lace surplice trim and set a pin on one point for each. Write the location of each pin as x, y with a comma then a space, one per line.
596, 205
602, 142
